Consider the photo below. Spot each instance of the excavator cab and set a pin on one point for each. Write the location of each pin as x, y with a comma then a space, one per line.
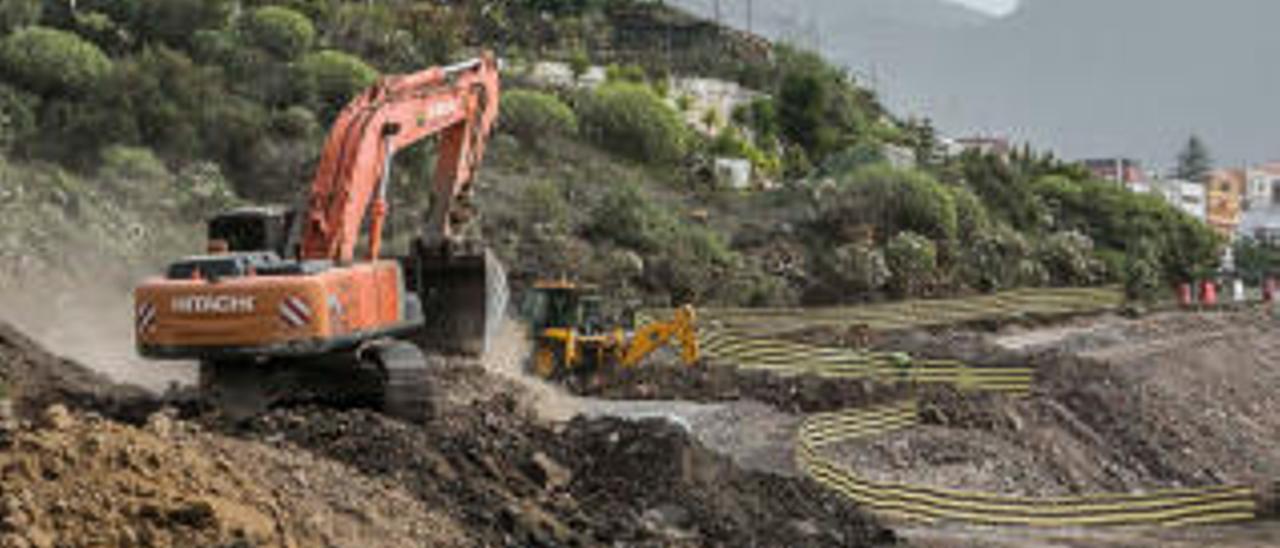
254, 229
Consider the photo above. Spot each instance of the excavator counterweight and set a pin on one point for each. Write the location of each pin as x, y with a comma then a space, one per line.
282, 297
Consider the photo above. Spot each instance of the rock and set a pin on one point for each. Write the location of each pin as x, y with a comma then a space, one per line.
805, 528
38, 538
160, 424
668, 517
551, 474
13, 540
6, 413
58, 418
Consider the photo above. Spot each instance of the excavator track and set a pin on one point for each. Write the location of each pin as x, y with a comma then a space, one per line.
241, 389
234, 388
407, 386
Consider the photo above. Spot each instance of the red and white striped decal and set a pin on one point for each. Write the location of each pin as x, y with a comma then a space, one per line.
295, 312
146, 317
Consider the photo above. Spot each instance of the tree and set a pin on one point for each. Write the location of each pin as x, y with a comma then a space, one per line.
15, 14
329, 79
532, 116
631, 120
1194, 162
912, 260
17, 116
893, 201
51, 61
283, 32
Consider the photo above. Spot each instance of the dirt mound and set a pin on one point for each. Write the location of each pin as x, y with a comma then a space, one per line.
86, 481
717, 382
648, 477
36, 379
513, 482
1177, 400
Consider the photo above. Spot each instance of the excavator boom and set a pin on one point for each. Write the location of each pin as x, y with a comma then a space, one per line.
458, 103
653, 336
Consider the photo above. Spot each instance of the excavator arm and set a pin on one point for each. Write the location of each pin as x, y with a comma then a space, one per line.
459, 103
653, 336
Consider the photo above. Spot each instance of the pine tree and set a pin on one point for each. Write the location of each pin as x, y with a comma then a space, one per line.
1194, 162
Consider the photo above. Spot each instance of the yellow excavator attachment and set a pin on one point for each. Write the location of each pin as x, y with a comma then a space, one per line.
569, 339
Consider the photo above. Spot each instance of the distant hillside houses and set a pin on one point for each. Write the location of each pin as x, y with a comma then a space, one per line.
1237, 203
1261, 204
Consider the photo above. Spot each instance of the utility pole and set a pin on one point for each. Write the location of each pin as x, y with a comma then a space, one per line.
717, 12
751, 4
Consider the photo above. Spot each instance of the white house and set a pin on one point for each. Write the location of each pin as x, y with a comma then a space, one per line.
1261, 218
1189, 196
1262, 186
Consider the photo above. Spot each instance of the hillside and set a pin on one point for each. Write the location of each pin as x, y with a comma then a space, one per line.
151, 102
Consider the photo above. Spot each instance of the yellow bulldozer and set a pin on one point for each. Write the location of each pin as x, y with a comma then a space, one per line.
570, 337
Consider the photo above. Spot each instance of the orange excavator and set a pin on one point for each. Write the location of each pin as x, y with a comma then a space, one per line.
290, 305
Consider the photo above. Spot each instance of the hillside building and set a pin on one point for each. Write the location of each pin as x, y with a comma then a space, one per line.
1126, 171
1224, 200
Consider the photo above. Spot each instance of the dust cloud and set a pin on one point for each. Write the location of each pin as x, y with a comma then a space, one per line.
91, 322
507, 357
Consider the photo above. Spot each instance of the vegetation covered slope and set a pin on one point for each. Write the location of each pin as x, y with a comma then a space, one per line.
608, 181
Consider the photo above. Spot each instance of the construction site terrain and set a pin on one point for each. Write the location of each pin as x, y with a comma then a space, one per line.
1033, 418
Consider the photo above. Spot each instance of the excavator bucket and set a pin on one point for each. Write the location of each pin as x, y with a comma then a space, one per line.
464, 299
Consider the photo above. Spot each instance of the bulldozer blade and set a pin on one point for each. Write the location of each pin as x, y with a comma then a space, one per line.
464, 298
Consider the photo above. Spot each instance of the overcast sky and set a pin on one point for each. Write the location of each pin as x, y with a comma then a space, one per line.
995, 7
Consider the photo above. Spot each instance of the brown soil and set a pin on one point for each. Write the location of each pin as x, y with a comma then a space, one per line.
485, 471
719, 382
35, 379
589, 482
86, 481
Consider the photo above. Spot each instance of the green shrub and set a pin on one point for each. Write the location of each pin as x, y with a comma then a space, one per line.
204, 191
285, 33
731, 144
1068, 258
913, 260
630, 218
631, 120
175, 22
971, 215
17, 116
761, 116
853, 158
531, 116
692, 262
893, 200
994, 260
1142, 280
50, 61
543, 202
295, 122
1114, 218
315, 10
861, 268
134, 173
15, 14
579, 63
371, 30
329, 79
633, 74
